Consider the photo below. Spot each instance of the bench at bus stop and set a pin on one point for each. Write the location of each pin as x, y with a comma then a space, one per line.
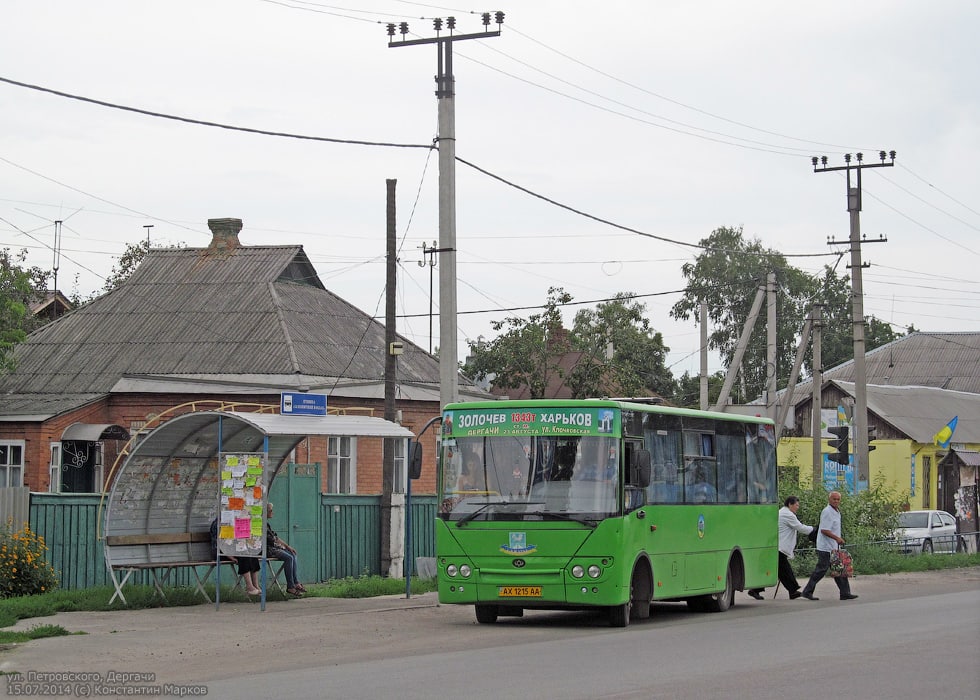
162, 554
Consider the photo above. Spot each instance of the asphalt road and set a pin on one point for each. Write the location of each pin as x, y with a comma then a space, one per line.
907, 636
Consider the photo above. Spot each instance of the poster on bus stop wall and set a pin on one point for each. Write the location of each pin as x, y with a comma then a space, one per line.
242, 504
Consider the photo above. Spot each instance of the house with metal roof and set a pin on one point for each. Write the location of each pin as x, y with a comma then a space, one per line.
227, 326
917, 384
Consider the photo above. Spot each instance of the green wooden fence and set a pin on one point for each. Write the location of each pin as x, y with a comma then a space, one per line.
350, 536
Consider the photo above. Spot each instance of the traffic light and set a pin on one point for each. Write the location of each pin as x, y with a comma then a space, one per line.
872, 435
840, 445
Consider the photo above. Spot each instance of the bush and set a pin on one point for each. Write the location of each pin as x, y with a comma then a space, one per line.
23, 569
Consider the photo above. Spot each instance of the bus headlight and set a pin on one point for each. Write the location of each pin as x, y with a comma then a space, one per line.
451, 570
465, 571
578, 571
595, 571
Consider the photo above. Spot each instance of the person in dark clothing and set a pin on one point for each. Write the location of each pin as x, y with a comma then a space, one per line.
276, 548
247, 566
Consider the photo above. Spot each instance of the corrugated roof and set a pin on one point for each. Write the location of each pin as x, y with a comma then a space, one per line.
941, 360
198, 312
920, 412
969, 457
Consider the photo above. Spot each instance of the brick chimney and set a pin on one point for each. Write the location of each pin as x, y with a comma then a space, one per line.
224, 234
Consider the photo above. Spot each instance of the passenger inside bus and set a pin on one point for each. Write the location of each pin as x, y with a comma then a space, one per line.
702, 491
471, 477
564, 462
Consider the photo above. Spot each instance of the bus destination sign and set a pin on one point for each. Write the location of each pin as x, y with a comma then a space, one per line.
539, 421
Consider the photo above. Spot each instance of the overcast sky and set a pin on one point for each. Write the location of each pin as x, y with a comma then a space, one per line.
669, 118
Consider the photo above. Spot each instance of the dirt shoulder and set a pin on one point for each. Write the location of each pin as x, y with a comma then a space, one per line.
200, 643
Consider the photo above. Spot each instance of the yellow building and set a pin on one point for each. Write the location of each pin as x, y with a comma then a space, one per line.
906, 456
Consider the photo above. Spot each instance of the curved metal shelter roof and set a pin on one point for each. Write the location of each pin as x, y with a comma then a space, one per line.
170, 481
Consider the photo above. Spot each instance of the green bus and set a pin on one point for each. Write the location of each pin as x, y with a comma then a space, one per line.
612, 504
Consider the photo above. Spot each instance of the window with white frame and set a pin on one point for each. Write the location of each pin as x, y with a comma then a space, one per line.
98, 468
341, 465
54, 468
400, 468
12, 463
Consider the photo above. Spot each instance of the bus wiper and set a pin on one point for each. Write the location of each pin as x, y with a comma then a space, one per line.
563, 516
469, 516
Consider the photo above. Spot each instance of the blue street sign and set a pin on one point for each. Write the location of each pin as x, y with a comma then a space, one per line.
300, 404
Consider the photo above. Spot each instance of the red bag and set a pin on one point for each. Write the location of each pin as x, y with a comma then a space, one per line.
841, 564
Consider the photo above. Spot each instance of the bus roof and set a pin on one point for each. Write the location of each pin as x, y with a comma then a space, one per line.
606, 403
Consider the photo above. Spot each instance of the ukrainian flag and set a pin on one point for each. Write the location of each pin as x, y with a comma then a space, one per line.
944, 436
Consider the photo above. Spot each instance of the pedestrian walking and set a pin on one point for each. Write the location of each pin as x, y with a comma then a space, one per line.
788, 525
829, 538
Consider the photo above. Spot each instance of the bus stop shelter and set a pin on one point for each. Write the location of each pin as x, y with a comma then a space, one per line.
169, 485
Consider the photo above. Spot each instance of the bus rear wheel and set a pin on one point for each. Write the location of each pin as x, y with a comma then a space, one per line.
720, 602
486, 614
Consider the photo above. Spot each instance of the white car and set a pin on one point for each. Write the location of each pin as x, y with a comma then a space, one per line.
927, 531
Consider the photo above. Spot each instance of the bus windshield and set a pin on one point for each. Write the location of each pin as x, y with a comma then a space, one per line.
530, 478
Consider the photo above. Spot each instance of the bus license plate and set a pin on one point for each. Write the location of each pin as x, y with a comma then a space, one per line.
519, 591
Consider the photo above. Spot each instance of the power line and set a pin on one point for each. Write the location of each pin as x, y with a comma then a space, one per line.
217, 125
607, 222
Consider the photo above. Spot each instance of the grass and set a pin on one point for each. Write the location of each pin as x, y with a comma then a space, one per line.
139, 597
871, 559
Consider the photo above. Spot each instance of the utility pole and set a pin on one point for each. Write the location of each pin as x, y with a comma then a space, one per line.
703, 379
392, 349
815, 397
430, 253
148, 227
772, 339
446, 138
57, 255
860, 421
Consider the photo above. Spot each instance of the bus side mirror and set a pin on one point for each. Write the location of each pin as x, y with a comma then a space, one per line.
641, 468
414, 459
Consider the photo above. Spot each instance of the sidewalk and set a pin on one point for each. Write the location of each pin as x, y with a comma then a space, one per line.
199, 643
183, 644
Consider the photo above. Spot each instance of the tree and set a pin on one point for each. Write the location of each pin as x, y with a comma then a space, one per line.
726, 276
837, 338
127, 264
620, 352
19, 288
527, 353
688, 392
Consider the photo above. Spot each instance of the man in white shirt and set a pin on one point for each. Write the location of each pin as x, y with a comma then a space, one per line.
828, 540
789, 525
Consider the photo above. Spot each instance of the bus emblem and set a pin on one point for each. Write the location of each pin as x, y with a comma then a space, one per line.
518, 545
701, 526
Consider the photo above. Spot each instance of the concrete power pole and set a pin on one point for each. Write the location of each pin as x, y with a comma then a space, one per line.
446, 93
772, 340
703, 380
860, 421
816, 396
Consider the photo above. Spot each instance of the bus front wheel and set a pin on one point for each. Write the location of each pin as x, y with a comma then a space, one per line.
486, 614
619, 615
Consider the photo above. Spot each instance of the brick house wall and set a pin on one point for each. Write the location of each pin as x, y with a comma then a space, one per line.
133, 410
